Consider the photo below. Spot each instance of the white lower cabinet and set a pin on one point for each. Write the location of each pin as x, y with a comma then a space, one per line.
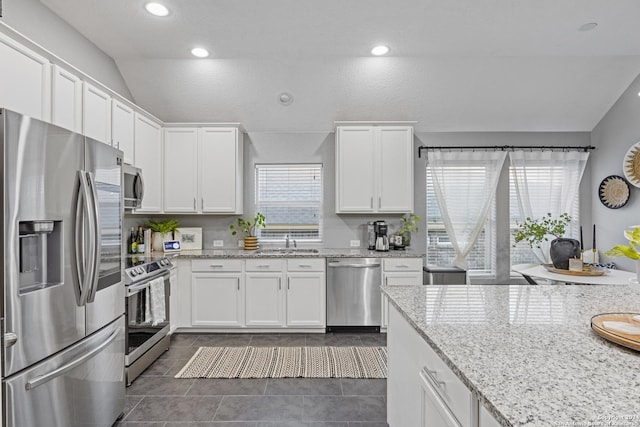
421, 389
257, 293
216, 293
263, 293
399, 272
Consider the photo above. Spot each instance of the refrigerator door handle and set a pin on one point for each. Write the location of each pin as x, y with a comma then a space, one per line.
44, 378
80, 256
95, 238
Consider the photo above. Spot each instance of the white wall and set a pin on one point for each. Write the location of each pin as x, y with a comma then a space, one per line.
618, 130
37, 23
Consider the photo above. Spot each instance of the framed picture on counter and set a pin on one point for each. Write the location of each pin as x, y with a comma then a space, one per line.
190, 237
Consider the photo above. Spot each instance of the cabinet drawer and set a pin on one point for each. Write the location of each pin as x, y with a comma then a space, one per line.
457, 397
402, 264
306, 264
264, 264
214, 264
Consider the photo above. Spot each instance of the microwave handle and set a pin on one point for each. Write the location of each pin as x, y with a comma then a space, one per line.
138, 187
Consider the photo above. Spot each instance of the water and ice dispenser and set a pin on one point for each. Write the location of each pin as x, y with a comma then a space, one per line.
41, 254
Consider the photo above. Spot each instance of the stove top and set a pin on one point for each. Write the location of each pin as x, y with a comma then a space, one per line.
140, 268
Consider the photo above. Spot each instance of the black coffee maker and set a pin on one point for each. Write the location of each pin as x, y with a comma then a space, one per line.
382, 240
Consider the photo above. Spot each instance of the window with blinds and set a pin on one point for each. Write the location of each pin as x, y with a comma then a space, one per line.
440, 252
543, 183
290, 197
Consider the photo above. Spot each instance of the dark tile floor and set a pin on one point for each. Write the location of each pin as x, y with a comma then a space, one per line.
159, 400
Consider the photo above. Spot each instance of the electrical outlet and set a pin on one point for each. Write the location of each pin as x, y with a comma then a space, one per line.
218, 243
355, 243
240, 243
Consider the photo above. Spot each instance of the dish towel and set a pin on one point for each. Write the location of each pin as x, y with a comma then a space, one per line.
156, 299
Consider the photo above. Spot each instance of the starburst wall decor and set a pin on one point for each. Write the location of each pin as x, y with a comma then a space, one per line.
631, 165
614, 192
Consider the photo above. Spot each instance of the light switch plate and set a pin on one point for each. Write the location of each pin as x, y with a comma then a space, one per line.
355, 243
218, 243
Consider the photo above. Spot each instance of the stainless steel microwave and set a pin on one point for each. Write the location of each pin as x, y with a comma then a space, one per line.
132, 187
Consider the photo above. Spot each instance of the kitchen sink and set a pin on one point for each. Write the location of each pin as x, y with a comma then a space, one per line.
288, 251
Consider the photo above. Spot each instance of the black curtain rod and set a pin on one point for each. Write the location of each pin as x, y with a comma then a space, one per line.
509, 147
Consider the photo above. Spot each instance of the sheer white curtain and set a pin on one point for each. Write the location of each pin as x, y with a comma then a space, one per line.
548, 182
465, 185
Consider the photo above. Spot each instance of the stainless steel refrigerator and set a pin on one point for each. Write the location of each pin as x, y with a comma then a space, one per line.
63, 293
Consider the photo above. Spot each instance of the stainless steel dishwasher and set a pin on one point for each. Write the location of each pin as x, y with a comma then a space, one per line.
353, 293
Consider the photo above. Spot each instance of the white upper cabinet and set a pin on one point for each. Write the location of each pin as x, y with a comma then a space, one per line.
122, 119
180, 171
374, 169
25, 80
148, 155
96, 113
355, 175
221, 170
66, 99
203, 170
395, 170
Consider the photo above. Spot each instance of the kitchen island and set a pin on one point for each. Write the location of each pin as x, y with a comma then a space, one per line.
526, 355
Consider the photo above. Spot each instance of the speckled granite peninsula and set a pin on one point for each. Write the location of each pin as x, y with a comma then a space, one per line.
528, 352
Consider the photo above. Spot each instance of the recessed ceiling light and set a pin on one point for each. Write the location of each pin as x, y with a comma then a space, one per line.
199, 52
156, 9
380, 50
285, 98
588, 26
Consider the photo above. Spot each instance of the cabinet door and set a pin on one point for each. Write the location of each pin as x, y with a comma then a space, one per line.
395, 171
306, 293
122, 129
485, 419
216, 299
220, 164
355, 174
25, 80
148, 156
433, 411
180, 169
96, 113
263, 299
66, 103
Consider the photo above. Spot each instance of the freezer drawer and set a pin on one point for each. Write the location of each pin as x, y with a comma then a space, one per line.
82, 386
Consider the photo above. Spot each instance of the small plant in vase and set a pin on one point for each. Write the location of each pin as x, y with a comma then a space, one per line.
249, 227
631, 251
408, 224
162, 230
536, 231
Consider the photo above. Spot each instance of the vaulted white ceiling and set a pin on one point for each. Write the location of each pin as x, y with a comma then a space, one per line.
455, 65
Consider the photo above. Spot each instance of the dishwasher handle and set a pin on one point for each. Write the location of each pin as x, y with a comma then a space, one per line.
339, 265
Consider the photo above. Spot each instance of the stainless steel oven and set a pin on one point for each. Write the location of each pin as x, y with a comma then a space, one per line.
147, 313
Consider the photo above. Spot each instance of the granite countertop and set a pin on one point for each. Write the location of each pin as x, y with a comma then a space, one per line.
529, 352
301, 253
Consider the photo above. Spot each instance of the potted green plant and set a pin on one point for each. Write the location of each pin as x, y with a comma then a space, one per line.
408, 224
249, 227
162, 230
536, 231
631, 250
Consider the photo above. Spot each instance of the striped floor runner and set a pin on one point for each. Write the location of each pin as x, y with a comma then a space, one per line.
287, 362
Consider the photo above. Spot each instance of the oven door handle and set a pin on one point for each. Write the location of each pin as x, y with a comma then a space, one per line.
136, 288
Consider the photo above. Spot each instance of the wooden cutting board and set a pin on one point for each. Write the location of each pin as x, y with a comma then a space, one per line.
603, 325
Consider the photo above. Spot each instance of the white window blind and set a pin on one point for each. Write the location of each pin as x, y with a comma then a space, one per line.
544, 184
290, 197
440, 252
